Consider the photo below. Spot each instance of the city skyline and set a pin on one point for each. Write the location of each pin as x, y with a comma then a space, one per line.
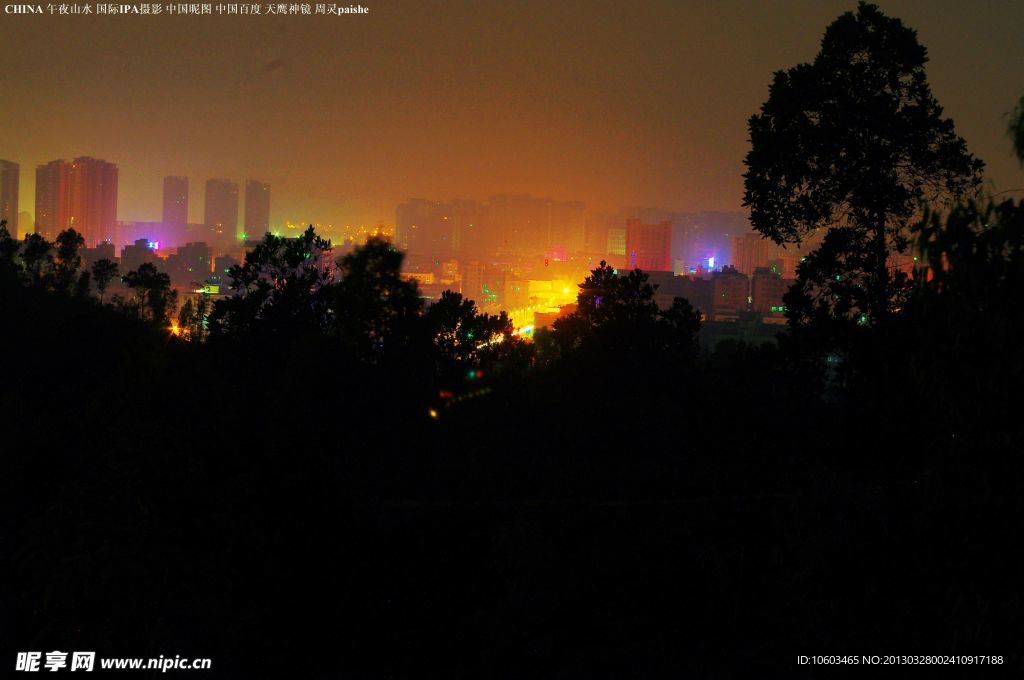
499, 225
607, 105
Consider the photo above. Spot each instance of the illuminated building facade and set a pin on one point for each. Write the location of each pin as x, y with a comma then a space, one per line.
521, 223
9, 187
425, 229
595, 235
93, 193
471, 233
175, 215
517, 294
257, 208
450, 272
649, 246
81, 194
221, 214
432, 232
53, 199
472, 281
568, 226
731, 290
767, 288
617, 242
495, 281
752, 251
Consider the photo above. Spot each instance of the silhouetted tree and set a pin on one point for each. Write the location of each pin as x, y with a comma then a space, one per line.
617, 315
460, 331
284, 286
854, 141
9, 267
83, 283
682, 324
953, 348
68, 259
153, 293
192, 319
37, 259
376, 310
464, 337
103, 272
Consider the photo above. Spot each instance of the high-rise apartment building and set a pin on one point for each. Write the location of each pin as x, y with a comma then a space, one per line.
751, 252
568, 226
472, 281
257, 209
649, 246
731, 293
53, 199
93, 189
767, 288
80, 195
9, 187
521, 223
175, 215
221, 214
425, 229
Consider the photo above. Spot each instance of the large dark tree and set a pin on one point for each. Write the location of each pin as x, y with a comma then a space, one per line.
9, 267
103, 272
282, 288
460, 331
154, 297
377, 311
854, 141
69, 246
37, 260
617, 316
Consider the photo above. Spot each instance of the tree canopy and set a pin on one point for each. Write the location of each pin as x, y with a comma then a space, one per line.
855, 140
282, 287
617, 316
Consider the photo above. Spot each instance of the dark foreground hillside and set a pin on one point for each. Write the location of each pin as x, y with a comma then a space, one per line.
290, 514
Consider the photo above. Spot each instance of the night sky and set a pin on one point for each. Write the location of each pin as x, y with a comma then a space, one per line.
612, 103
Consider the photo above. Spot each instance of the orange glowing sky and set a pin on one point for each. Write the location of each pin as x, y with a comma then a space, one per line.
612, 103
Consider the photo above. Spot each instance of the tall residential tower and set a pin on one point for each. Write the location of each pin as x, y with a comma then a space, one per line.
221, 214
257, 209
9, 187
175, 213
53, 199
93, 191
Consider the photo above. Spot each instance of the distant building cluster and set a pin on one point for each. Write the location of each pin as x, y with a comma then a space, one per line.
517, 253
526, 255
81, 194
